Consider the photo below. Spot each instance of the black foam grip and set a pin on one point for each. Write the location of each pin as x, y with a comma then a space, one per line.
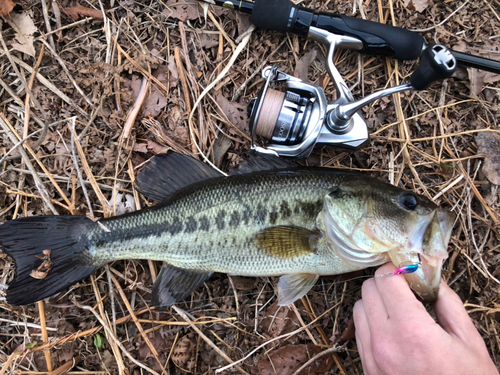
272, 14
406, 44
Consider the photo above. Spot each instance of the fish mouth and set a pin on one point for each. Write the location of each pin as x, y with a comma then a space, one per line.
431, 256
425, 281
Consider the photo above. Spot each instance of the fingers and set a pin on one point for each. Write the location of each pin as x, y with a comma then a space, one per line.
373, 305
452, 315
363, 338
398, 299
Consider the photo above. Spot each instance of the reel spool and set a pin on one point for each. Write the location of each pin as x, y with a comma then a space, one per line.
284, 116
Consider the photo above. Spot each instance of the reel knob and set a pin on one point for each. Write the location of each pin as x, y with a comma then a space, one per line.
436, 63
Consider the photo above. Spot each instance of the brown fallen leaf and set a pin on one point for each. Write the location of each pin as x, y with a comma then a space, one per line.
236, 113
287, 360
349, 331
6, 7
278, 320
183, 349
79, 11
304, 63
489, 144
418, 5
182, 9
24, 26
479, 78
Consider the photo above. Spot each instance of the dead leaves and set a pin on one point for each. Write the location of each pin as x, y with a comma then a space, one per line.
304, 63
236, 113
278, 320
287, 360
79, 11
183, 350
182, 10
43, 270
25, 28
479, 78
6, 7
489, 144
418, 5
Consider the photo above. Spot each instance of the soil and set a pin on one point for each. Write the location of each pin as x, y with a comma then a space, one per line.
116, 82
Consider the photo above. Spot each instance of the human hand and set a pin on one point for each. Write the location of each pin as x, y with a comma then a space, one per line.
395, 334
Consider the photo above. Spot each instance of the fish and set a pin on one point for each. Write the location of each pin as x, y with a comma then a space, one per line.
270, 217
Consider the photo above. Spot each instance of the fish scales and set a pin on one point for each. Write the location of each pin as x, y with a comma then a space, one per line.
212, 227
268, 219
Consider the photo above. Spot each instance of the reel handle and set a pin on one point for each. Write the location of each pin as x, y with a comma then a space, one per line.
436, 63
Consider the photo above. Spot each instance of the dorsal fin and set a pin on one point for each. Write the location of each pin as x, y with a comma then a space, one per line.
167, 173
257, 162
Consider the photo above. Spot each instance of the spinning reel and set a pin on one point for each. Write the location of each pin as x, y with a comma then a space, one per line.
294, 120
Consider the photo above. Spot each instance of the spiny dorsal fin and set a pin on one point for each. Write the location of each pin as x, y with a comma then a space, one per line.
287, 241
293, 287
258, 162
167, 173
175, 284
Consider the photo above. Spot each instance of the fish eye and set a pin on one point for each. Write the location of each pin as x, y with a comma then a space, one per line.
408, 201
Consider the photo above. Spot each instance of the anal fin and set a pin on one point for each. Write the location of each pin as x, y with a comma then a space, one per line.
293, 287
175, 284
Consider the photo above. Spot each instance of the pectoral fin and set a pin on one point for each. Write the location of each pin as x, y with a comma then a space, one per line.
175, 284
293, 287
287, 241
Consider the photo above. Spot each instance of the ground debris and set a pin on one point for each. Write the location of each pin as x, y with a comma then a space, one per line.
436, 135
288, 359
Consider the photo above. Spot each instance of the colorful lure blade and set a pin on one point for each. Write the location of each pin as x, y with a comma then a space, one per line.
406, 269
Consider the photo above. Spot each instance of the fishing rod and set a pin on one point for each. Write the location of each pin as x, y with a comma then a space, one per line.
291, 121
377, 38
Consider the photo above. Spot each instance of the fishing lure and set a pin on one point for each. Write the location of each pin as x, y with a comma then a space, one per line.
403, 269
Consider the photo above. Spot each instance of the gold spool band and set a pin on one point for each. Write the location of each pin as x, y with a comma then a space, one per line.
269, 113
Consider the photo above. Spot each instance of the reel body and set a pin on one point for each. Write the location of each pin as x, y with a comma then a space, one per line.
294, 120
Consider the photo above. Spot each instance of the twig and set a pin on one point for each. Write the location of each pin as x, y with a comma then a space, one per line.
333, 349
136, 321
5, 157
75, 162
18, 100
67, 366
57, 16
111, 340
50, 86
21, 76
238, 92
127, 128
7, 127
182, 77
45, 336
284, 336
65, 68
92, 180
47, 24
115, 339
235, 55
443, 21
184, 316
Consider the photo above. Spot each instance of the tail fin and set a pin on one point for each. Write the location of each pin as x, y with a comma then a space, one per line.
49, 253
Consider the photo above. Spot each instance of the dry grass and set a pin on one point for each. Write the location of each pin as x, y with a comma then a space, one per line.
107, 94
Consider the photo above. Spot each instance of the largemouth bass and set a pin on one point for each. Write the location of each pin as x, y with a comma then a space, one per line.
269, 219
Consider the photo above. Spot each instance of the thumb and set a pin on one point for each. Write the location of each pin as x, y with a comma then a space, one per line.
452, 316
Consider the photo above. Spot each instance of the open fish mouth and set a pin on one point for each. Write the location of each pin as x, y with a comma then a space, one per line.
425, 281
427, 237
